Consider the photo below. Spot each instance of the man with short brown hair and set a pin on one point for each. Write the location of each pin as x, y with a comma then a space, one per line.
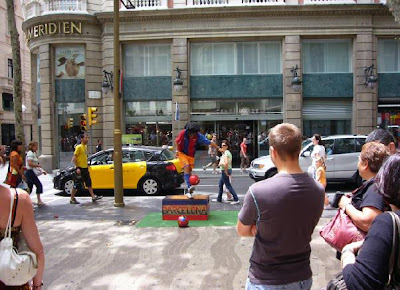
82, 170
281, 212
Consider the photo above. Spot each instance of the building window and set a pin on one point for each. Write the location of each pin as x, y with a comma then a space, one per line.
236, 107
8, 102
237, 58
148, 133
10, 68
7, 133
388, 56
147, 60
149, 108
327, 56
315, 119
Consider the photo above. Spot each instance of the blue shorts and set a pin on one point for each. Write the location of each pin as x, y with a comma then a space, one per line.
305, 284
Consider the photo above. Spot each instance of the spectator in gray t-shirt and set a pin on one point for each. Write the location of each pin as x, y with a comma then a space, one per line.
282, 212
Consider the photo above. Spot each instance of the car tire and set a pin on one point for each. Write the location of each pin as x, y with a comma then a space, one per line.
271, 173
150, 186
68, 186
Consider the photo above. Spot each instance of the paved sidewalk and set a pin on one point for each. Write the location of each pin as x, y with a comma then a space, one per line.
98, 246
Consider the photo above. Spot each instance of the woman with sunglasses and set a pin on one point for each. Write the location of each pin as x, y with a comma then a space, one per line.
226, 170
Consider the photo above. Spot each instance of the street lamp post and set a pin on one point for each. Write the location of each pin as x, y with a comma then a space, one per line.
118, 179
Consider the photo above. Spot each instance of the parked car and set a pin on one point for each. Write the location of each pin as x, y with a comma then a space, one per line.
148, 169
342, 153
264, 147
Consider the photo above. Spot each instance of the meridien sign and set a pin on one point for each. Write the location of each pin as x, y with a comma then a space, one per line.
62, 27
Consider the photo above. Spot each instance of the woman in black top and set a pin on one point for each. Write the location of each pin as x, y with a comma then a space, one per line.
366, 203
370, 270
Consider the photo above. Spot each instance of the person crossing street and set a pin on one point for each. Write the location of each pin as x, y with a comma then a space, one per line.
82, 170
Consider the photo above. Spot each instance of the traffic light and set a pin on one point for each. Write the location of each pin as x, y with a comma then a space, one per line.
70, 123
83, 122
92, 114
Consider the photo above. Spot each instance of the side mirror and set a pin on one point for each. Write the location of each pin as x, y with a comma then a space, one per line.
307, 154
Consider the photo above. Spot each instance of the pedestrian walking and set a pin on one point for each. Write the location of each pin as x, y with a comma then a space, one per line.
99, 145
81, 170
320, 176
368, 269
244, 158
16, 163
33, 170
229, 196
226, 171
186, 143
281, 212
213, 155
317, 152
22, 226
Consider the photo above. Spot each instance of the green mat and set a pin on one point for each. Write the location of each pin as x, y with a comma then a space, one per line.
215, 218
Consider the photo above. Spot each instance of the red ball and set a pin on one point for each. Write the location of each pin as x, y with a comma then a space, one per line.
194, 179
183, 221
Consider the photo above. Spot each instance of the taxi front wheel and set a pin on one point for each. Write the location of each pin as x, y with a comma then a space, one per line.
68, 186
150, 186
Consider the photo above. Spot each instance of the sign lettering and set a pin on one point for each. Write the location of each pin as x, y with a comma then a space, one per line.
63, 27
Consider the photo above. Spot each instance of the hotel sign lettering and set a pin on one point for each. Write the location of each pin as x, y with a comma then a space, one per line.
51, 28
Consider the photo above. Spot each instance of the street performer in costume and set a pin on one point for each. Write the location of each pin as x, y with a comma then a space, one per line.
186, 143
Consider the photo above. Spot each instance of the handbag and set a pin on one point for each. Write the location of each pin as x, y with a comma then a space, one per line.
393, 283
340, 231
37, 171
337, 283
23, 185
16, 268
11, 179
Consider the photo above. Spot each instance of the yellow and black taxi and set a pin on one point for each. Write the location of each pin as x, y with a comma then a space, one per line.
151, 170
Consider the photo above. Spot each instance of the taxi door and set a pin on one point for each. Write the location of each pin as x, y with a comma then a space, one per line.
101, 171
134, 167
133, 172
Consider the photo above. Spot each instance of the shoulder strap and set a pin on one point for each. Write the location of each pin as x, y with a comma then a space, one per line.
393, 260
8, 228
15, 204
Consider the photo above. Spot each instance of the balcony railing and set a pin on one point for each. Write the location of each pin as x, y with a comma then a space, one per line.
55, 6
201, 3
147, 4
330, 1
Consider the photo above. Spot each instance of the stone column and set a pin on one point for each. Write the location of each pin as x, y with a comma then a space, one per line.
93, 84
365, 101
35, 133
180, 59
292, 101
48, 114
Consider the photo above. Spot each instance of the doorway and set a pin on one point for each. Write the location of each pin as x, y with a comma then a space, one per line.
234, 132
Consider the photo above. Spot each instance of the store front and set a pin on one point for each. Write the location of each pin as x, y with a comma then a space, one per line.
148, 123
234, 120
389, 119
